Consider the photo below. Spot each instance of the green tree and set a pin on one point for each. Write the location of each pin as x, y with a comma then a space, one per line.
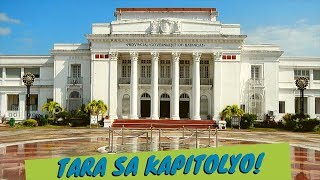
96, 107
52, 108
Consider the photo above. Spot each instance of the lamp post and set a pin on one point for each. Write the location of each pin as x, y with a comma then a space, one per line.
28, 79
302, 83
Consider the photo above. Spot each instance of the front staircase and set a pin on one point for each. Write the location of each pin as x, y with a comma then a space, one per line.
164, 123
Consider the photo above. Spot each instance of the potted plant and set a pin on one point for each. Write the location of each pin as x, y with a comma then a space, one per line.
96, 108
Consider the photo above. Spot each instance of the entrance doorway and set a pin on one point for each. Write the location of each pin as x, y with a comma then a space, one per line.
145, 103
184, 105
164, 106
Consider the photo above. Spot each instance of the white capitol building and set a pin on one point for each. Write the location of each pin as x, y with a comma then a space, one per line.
159, 63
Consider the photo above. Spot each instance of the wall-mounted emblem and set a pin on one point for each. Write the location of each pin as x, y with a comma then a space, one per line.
165, 26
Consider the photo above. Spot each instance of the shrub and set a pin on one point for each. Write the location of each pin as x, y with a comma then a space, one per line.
65, 116
280, 124
247, 120
287, 117
300, 116
51, 121
290, 125
30, 123
317, 128
41, 120
289, 122
306, 125
269, 124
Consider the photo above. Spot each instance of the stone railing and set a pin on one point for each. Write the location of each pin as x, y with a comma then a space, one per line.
206, 81
124, 80
144, 80
257, 82
74, 80
185, 81
165, 81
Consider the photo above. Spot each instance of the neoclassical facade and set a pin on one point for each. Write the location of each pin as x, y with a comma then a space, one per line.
160, 63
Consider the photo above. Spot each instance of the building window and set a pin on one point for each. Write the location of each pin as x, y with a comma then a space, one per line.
74, 95
316, 74
204, 69
13, 102
33, 102
282, 107
230, 56
145, 69
0, 72
301, 73
317, 105
13, 72
101, 56
297, 105
184, 68
126, 69
34, 71
76, 70
165, 71
255, 72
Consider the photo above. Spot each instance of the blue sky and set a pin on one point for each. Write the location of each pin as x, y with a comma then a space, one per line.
32, 27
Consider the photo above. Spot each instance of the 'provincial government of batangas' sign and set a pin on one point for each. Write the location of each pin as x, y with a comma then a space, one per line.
158, 45
166, 45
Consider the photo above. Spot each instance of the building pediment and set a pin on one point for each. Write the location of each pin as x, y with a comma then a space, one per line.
165, 26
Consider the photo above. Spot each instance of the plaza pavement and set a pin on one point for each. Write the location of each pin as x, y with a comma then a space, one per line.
10, 136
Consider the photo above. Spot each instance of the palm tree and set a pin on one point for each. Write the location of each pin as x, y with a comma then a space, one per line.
230, 111
96, 107
52, 108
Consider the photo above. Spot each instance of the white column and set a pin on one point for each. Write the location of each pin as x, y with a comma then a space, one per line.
22, 105
196, 85
134, 86
21, 75
311, 106
175, 86
217, 86
3, 75
113, 86
3, 102
311, 79
154, 86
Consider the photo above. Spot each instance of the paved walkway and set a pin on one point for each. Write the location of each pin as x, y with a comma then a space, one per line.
12, 136
17, 145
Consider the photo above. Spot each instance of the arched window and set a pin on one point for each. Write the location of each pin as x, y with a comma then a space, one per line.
74, 94
165, 97
184, 97
126, 104
145, 96
74, 101
204, 105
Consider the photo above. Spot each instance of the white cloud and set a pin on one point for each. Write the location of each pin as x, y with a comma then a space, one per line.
5, 18
4, 31
299, 39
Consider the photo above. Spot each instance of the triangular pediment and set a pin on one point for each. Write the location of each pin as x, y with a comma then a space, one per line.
165, 26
